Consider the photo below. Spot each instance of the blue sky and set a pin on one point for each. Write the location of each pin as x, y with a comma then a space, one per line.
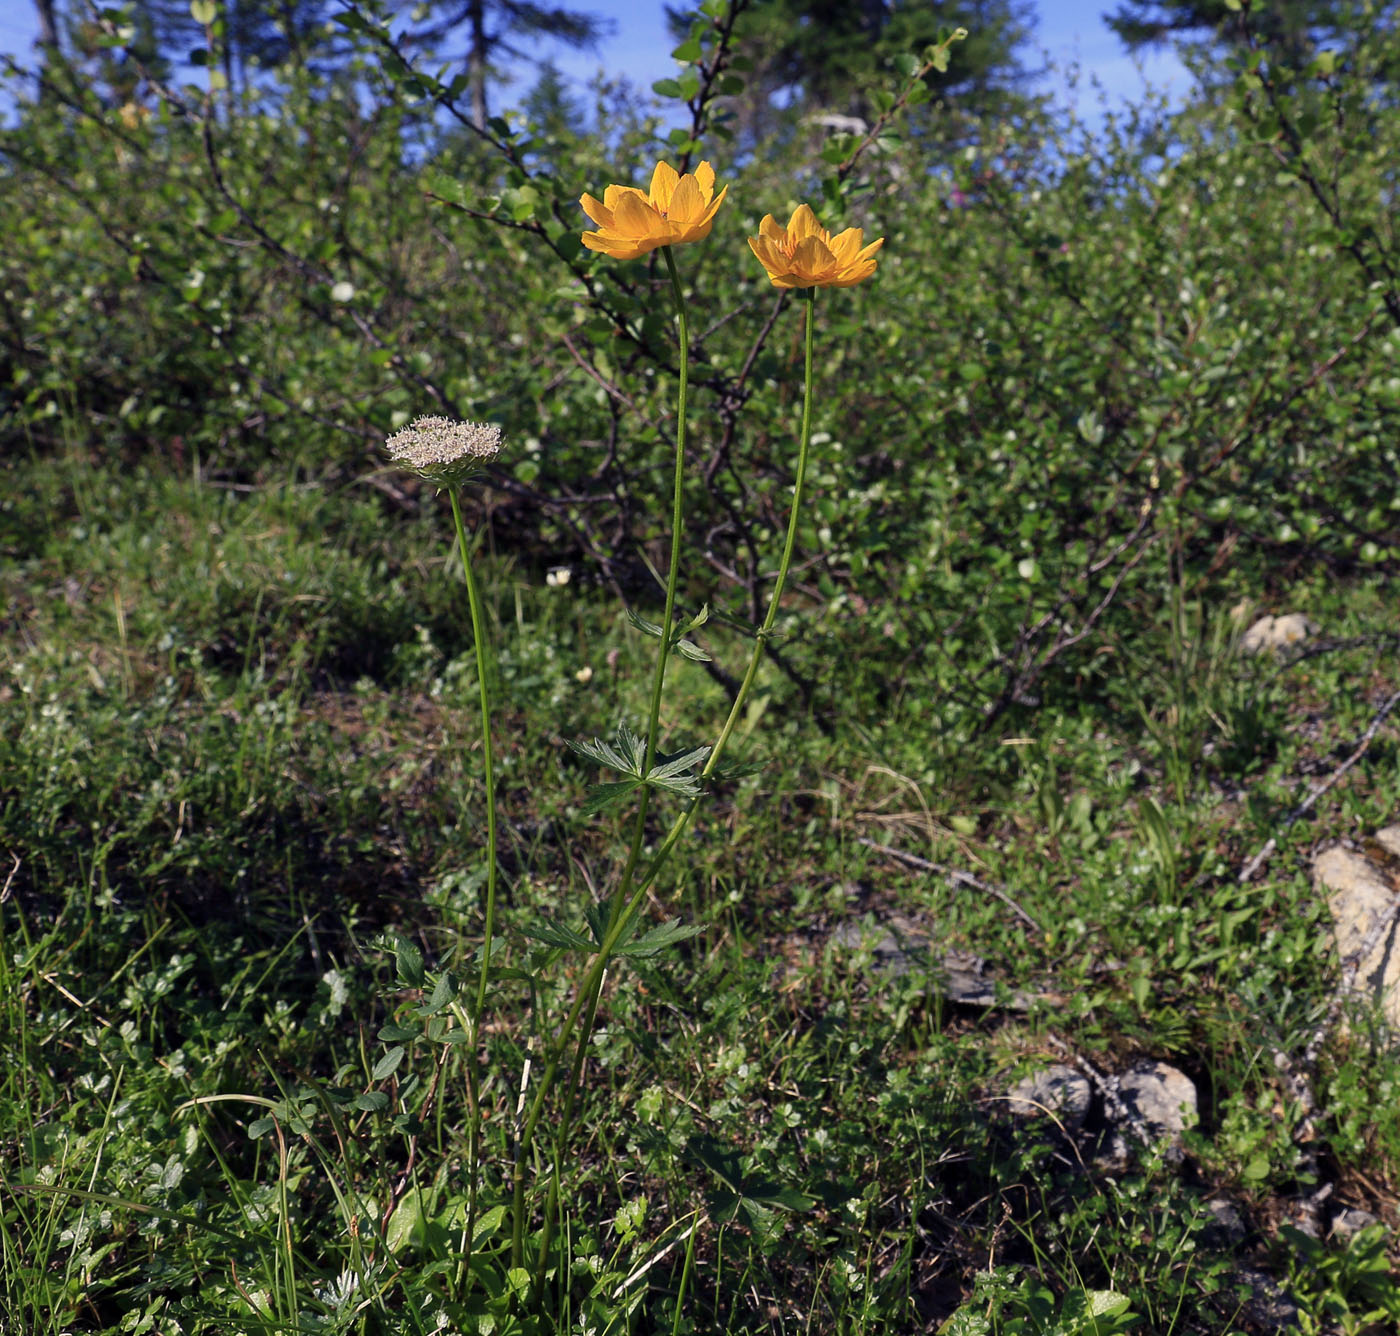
1068, 31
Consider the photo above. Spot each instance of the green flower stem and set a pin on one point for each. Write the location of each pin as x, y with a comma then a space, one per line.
673, 836
620, 921
677, 518
667, 621
809, 295
479, 636
593, 980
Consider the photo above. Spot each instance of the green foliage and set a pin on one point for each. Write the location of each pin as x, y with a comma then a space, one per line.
1349, 1288
1291, 28
997, 1306
1107, 397
814, 59
627, 754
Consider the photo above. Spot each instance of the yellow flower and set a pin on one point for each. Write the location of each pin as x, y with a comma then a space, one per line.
805, 255
678, 209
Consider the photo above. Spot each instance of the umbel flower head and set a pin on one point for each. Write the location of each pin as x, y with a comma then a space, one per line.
677, 209
445, 451
805, 255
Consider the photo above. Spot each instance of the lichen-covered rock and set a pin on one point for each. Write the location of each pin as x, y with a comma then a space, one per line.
1276, 633
1360, 895
1162, 1098
1389, 840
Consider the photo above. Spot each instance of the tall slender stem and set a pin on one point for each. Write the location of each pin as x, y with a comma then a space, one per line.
678, 828
483, 688
794, 516
677, 516
619, 921
624, 883
587, 999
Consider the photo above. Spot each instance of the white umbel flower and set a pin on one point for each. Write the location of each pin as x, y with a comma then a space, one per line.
444, 451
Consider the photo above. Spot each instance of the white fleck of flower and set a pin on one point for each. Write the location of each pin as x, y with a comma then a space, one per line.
584, 674
343, 291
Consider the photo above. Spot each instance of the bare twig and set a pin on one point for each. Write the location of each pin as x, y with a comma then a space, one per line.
1306, 805
955, 875
1109, 1091
9, 881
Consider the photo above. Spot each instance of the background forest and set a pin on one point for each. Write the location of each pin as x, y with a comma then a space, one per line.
1029, 802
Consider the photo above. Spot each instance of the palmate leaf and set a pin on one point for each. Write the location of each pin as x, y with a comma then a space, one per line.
627, 753
408, 960
650, 943
647, 628
689, 650
678, 643
557, 934
672, 772
601, 796
744, 1194
597, 915
657, 939
652, 629
444, 990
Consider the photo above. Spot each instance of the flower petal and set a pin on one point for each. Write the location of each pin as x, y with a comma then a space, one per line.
599, 213
635, 218
714, 205
852, 276
679, 208
611, 244
770, 229
768, 255
687, 205
613, 194
869, 251
845, 246
813, 260
804, 254
663, 185
804, 224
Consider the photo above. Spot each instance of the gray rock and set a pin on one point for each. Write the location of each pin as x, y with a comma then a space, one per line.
1305, 1220
1111, 1156
1362, 896
1266, 1306
899, 946
1059, 1092
1162, 1099
1276, 633
1227, 1226
1349, 1222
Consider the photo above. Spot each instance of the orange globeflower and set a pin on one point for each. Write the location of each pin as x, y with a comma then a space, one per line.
805, 255
678, 209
